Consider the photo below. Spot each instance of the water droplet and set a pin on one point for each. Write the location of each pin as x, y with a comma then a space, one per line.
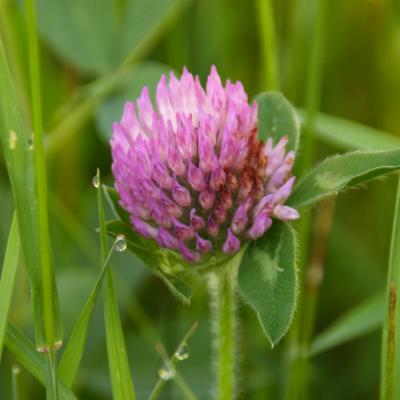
120, 243
183, 352
167, 373
96, 181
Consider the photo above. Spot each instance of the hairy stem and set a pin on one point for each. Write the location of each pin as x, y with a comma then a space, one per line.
222, 286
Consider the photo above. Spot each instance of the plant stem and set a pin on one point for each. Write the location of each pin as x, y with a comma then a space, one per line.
222, 286
269, 63
155, 393
15, 370
390, 364
50, 308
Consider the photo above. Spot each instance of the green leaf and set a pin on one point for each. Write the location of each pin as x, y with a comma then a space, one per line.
351, 135
341, 171
10, 265
24, 351
121, 380
145, 74
73, 352
268, 280
277, 118
96, 36
82, 32
177, 287
153, 257
362, 319
144, 22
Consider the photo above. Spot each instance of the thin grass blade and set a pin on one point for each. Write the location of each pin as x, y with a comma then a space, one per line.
350, 135
121, 380
10, 265
359, 321
15, 371
50, 308
16, 145
73, 352
390, 355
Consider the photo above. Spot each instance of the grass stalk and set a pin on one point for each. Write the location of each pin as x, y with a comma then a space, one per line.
51, 317
171, 364
15, 371
121, 379
270, 65
7, 280
390, 356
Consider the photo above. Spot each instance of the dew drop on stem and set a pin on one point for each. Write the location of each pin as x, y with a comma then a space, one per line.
120, 243
183, 352
96, 181
167, 373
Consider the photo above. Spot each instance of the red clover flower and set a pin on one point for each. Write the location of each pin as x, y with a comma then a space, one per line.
192, 173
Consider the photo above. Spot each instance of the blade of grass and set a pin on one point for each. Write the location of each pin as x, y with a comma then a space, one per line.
171, 363
390, 355
351, 135
88, 245
18, 153
25, 352
121, 380
360, 320
73, 352
18, 156
51, 319
270, 67
51, 313
10, 265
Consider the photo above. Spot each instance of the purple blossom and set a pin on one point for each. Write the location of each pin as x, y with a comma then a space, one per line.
191, 171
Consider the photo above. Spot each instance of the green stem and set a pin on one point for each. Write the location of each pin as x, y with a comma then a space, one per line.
51, 379
390, 365
51, 320
155, 393
222, 292
15, 372
270, 76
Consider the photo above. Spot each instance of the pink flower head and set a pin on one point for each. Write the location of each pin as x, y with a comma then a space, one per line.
191, 171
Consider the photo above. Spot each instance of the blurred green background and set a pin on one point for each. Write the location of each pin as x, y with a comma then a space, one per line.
83, 45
